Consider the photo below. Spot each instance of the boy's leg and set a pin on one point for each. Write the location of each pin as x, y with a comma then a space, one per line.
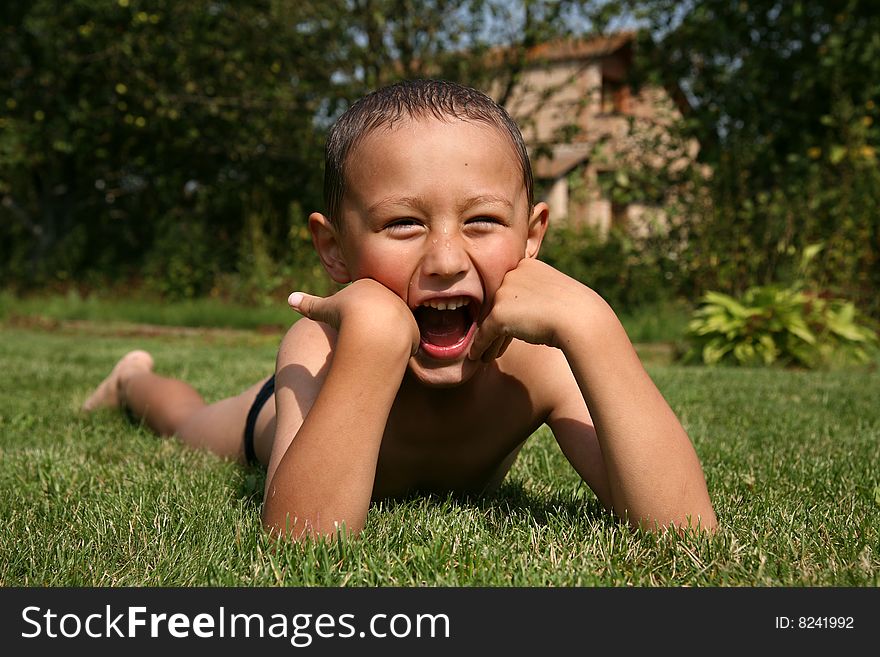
172, 407
219, 427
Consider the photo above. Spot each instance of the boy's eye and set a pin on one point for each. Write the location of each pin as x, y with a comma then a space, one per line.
401, 225
484, 222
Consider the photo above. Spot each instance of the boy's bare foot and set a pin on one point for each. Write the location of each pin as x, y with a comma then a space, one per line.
107, 392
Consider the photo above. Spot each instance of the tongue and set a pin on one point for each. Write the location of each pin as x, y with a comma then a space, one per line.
443, 328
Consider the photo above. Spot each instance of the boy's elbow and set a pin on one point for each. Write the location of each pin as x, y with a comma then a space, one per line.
288, 531
706, 522
681, 527
700, 523
292, 528
695, 520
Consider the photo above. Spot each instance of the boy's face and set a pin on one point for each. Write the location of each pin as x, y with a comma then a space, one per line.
437, 212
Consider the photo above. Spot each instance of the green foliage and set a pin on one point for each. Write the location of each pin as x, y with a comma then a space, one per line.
785, 325
179, 265
629, 273
131, 129
783, 100
122, 120
659, 326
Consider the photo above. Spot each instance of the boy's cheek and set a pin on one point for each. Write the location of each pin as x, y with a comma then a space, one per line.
393, 281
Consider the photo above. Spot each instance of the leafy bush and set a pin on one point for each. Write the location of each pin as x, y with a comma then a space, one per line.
779, 325
773, 179
629, 273
182, 262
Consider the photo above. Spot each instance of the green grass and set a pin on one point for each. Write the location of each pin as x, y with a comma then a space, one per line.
659, 323
203, 312
791, 459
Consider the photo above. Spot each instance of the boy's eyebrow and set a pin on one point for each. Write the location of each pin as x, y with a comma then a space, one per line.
396, 201
418, 202
485, 199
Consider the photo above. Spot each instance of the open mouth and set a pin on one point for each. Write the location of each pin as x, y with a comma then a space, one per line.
446, 326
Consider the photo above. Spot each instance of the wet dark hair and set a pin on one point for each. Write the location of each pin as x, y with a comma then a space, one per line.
412, 99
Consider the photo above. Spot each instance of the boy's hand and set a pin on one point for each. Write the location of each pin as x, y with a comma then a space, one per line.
530, 304
380, 314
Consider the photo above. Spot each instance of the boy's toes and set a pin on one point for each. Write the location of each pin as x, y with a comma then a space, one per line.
100, 398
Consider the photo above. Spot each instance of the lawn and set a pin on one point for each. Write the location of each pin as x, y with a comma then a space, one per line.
792, 461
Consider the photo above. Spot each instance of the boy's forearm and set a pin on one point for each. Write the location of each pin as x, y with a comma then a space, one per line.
654, 474
325, 479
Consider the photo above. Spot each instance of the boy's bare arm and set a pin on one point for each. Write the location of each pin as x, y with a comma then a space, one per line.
654, 477
324, 479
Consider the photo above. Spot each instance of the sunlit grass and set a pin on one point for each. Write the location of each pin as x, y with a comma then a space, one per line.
791, 459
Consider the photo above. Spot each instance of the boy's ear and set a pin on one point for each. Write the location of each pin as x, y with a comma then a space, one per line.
537, 229
326, 242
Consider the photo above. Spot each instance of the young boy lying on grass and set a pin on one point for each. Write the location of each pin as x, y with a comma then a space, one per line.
450, 346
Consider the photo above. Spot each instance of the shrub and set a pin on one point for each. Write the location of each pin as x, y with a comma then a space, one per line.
182, 262
779, 325
629, 273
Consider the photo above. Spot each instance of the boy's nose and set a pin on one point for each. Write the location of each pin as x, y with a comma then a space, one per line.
446, 256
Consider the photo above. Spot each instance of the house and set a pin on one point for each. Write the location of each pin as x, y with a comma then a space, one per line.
586, 129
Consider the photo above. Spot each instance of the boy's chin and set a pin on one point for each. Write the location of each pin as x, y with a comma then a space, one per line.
442, 374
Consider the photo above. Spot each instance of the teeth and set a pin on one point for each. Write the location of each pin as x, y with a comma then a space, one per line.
447, 304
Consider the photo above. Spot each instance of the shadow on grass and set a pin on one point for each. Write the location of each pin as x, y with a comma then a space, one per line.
513, 501
251, 485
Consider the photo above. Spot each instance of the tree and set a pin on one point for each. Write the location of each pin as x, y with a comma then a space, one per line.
784, 104
124, 121
183, 139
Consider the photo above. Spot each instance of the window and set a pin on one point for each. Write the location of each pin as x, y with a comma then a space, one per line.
615, 97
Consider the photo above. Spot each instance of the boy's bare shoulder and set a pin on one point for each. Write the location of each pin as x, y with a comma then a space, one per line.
307, 343
545, 373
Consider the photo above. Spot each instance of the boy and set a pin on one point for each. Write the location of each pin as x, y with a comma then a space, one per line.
449, 348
